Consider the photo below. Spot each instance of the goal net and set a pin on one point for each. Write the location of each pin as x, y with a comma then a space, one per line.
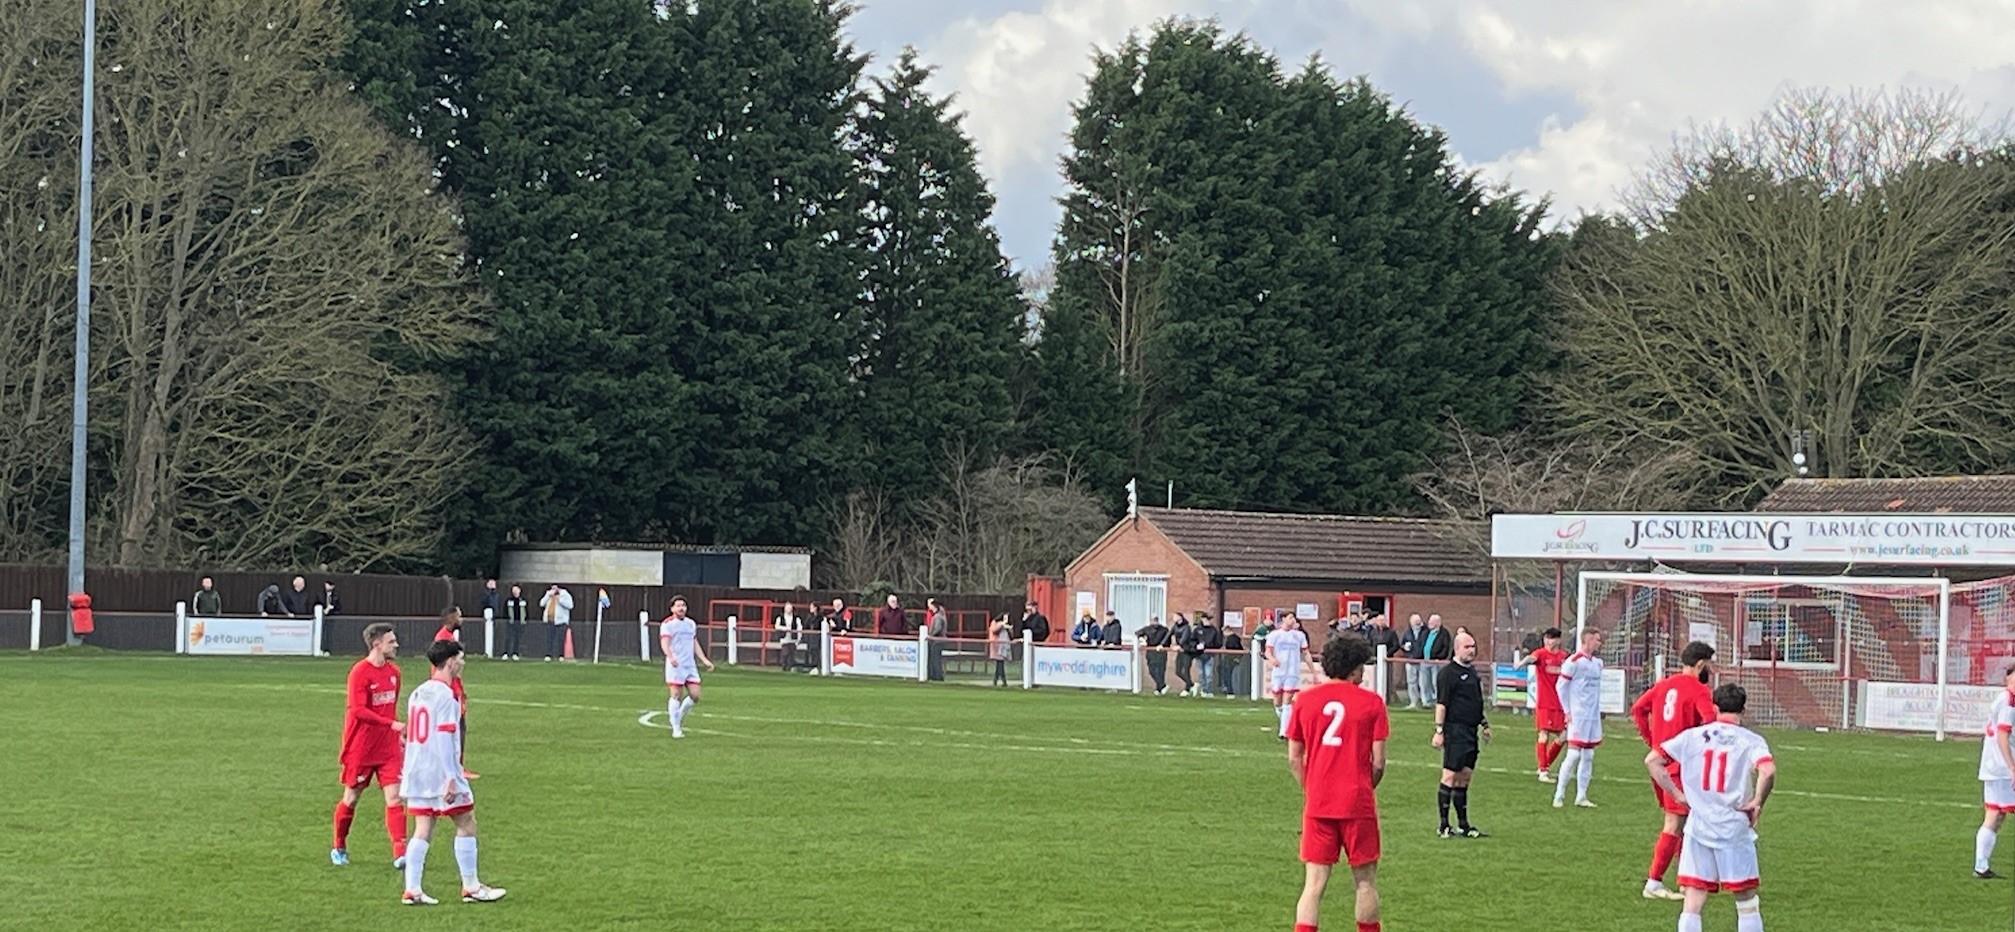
1897, 653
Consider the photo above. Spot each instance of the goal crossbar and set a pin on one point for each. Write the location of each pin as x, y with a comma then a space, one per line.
1918, 585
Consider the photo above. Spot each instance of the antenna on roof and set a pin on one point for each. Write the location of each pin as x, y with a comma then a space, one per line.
1133, 498
1171, 493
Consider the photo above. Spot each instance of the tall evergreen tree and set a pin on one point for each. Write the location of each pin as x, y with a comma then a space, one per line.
941, 332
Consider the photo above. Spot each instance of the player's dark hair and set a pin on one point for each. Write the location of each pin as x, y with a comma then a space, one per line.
1344, 653
374, 631
2008, 670
1550, 632
1731, 698
452, 615
1695, 652
442, 651
675, 600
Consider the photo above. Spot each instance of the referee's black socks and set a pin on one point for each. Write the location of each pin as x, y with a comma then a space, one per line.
1442, 797
1459, 795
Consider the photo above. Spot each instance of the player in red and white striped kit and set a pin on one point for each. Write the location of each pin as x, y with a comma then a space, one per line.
1997, 767
1714, 764
435, 787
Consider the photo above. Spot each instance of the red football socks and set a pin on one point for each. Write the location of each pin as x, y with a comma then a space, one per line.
1304, 927
344, 815
1542, 753
1367, 927
1661, 856
395, 826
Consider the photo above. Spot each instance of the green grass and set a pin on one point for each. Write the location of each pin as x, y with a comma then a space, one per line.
173, 792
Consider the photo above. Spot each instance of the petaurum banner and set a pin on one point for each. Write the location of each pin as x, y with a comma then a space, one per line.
1879, 539
251, 636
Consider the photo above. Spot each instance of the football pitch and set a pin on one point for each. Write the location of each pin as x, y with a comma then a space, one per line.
160, 792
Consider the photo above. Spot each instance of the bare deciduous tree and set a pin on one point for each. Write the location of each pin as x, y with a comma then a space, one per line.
1841, 266
275, 277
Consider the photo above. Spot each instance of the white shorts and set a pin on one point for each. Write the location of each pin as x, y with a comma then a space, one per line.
686, 674
1286, 679
1584, 731
1998, 794
458, 799
1728, 869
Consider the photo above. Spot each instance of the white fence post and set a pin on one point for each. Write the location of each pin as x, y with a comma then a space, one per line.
1383, 680
598, 630
923, 655
734, 642
315, 634
181, 627
1255, 656
644, 636
490, 633
1139, 662
825, 647
1944, 644
34, 624
1027, 659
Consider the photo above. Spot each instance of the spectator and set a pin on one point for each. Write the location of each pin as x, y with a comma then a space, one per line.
1085, 632
790, 634
1183, 636
1112, 634
937, 623
492, 606
207, 602
330, 603
1034, 622
998, 648
1229, 663
269, 601
294, 601
839, 618
1208, 639
1436, 647
1410, 644
1155, 639
1380, 634
557, 605
890, 622
514, 622
1265, 628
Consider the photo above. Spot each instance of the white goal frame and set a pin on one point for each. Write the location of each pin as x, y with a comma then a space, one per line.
1941, 585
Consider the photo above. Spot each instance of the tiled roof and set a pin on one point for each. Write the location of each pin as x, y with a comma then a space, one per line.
1322, 547
1934, 495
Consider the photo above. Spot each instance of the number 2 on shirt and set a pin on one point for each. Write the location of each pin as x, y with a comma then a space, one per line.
1713, 775
1330, 739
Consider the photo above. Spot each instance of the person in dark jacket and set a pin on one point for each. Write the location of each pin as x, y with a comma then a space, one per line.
207, 602
1155, 638
269, 601
294, 601
330, 603
493, 604
1085, 632
891, 621
1113, 633
1208, 639
837, 616
1228, 664
1182, 637
514, 622
1436, 647
1035, 623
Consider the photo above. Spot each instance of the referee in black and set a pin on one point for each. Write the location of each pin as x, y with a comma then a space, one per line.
1458, 718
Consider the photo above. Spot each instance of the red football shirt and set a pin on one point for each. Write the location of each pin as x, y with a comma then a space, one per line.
370, 709
1672, 705
1337, 722
1546, 663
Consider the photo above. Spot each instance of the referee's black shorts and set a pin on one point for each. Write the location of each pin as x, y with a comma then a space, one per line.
1458, 748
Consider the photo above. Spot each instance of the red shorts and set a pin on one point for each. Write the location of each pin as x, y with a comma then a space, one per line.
1323, 841
1673, 805
1553, 720
360, 775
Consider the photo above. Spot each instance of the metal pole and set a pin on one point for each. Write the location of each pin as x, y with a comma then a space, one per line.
80, 378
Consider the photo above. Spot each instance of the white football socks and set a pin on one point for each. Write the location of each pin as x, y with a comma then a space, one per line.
1570, 767
1281, 712
1983, 848
685, 706
1587, 774
672, 710
416, 863
1749, 914
465, 858
1689, 922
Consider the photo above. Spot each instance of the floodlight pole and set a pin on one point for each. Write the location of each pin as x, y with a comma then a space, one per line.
80, 380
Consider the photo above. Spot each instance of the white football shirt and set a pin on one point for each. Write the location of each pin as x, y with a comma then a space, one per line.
1580, 686
1288, 647
433, 764
1715, 763
682, 631
2000, 718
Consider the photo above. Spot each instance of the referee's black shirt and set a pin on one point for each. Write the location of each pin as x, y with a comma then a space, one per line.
1460, 688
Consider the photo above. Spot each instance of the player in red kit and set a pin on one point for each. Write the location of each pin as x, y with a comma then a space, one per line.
372, 734
451, 630
1549, 717
1672, 705
1336, 737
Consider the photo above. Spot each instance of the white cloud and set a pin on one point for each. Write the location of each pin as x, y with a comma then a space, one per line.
1642, 71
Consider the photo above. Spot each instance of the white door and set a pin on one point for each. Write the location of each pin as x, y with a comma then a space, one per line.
1134, 598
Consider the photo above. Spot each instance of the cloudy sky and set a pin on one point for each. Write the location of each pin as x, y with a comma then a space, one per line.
1559, 96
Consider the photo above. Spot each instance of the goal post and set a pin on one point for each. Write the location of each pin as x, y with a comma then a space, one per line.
1813, 651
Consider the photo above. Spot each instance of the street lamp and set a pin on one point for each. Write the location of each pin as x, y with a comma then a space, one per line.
1801, 441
